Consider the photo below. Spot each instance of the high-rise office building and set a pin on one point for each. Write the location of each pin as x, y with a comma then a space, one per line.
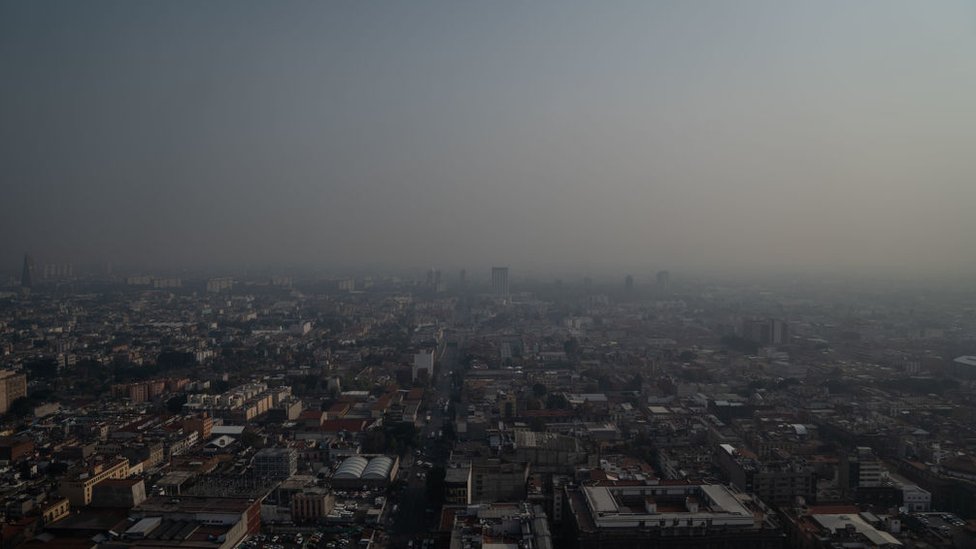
27, 273
663, 280
861, 469
499, 280
629, 283
769, 331
53, 271
433, 277
423, 365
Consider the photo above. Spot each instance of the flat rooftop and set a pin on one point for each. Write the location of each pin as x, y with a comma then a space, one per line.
457, 474
839, 522
92, 520
194, 504
624, 506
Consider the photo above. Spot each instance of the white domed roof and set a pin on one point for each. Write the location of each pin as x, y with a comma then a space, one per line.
351, 468
379, 468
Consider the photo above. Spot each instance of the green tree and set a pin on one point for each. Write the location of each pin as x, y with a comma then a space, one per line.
449, 432
168, 360
557, 401
637, 382
218, 386
175, 404
400, 437
44, 368
740, 345
374, 442
20, 408
252, 439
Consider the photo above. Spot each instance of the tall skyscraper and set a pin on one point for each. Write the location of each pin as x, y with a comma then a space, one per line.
766, 331
54, 271
663, 280
27, 273
499, 280
629, 283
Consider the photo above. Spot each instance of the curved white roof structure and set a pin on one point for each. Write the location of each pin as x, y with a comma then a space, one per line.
378, 469
351, 468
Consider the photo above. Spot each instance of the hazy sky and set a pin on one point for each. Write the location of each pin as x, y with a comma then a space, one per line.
679, 134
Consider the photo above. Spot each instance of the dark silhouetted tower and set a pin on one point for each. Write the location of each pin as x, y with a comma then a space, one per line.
766, 332
499, 280
27, 273
663, 280
629, 283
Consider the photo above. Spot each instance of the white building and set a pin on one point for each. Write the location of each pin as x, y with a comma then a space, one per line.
423, 361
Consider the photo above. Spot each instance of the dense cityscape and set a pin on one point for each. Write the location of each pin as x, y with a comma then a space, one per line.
506, 274
457, 411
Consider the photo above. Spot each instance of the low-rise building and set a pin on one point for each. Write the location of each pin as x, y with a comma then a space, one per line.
55, 510
311, 505
119, 493
13, 385
500, 525
778, 482
276, 463
457, 485
668, 514
15, 449
496, 481
78, 485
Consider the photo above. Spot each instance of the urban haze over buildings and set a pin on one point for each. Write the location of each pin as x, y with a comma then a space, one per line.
481, 275
563, 136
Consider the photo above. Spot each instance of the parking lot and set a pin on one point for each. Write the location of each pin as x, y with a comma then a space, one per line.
318, 540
